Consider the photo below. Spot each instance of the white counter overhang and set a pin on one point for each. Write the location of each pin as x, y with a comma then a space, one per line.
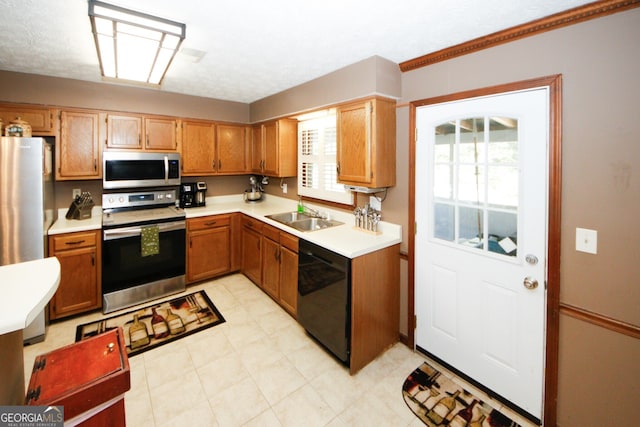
26, 288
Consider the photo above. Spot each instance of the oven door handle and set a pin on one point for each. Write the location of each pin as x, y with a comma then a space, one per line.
122, 233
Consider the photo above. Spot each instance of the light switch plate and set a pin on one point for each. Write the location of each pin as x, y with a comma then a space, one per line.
586, 240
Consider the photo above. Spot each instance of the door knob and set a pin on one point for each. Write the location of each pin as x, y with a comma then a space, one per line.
530, 283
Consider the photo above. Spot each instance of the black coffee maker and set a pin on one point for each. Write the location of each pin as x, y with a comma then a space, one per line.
193, 194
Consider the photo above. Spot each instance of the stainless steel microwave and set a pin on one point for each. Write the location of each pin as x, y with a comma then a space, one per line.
134, 170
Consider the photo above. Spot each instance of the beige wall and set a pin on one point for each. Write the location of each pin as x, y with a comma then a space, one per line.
34, 89
371, 76
600, 65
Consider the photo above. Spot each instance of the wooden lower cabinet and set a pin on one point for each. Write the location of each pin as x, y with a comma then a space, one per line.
80, 289
209, 247
252, 249
289, 273
375, 305
270, 260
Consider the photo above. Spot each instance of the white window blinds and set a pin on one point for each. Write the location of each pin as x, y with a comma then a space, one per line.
317, 161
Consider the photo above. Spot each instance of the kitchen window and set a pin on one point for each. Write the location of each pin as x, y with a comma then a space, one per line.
317, 175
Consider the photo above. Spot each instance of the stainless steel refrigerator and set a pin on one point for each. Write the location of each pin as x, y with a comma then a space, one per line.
27, 207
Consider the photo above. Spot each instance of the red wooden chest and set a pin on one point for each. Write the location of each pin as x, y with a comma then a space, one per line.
88, 378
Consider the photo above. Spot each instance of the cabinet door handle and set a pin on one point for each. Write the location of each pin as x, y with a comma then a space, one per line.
210, 223
213, 165
75, 242
147, 140
93, 260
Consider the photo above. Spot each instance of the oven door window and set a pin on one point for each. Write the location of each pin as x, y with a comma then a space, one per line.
123, 265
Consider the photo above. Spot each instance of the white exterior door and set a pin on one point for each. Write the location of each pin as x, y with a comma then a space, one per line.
481, 235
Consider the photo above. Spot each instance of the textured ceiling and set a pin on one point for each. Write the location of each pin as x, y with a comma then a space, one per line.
258, 48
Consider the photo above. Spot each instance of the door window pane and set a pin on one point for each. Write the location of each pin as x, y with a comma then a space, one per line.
444, 221
471, 140
442, 182
476, 183
471, 184
471, 226
503, 186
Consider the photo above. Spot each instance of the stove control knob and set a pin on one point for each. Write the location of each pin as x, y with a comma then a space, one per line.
110, 199
121, 199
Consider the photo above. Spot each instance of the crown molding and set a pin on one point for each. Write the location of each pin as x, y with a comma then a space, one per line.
576, 15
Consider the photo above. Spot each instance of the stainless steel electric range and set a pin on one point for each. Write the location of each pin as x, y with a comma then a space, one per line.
132, 274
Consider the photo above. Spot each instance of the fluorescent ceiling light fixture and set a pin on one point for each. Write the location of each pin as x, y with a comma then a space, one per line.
132, 45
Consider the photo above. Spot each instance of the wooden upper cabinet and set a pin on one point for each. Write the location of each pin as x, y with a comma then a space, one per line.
161, 133
198, 148
211, 149
232, 149
124, 131
78, 154
366, 143
41, 119
256, 154
274, 148
139, 132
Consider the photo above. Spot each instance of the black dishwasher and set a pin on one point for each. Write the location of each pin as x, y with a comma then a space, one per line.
324, 297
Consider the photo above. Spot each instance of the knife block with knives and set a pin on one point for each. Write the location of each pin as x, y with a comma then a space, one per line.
81, 207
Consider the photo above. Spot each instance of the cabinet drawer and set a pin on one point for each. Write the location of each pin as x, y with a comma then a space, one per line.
253, 224
271, 233
208, 222
74, 241
289, 241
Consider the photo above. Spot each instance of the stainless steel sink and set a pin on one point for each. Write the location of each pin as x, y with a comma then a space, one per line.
313, 224
288, 217
303, 222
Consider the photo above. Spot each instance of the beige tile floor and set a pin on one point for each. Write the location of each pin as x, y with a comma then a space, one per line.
259, 368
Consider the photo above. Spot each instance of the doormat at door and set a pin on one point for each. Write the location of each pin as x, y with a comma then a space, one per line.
438, 401
159, 323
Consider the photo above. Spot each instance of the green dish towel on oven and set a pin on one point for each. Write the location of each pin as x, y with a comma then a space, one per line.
150, 240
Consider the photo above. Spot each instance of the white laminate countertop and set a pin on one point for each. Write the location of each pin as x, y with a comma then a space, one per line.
25, 290
63, 225
343, 239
